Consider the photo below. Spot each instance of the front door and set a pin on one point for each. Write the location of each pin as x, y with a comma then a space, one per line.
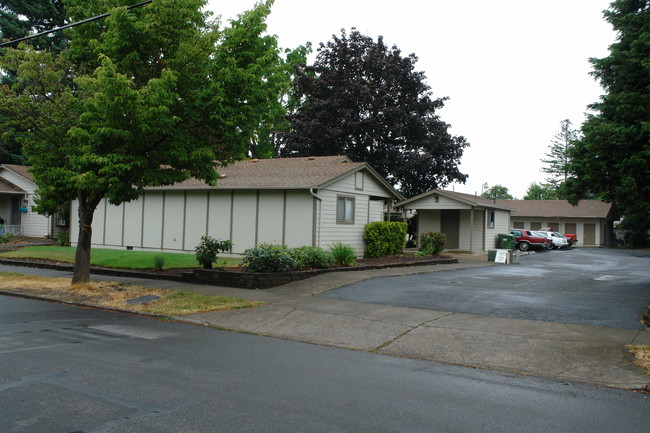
15, 211
450, 226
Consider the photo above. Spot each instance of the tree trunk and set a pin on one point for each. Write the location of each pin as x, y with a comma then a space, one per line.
86, 212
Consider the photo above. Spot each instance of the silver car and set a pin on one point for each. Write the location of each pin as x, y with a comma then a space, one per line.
558, 240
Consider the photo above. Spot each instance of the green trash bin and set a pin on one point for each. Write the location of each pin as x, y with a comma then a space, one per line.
506, 241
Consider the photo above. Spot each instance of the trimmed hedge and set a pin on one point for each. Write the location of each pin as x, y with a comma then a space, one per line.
385, 238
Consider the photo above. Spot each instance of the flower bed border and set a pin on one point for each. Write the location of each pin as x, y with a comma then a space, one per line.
253, 280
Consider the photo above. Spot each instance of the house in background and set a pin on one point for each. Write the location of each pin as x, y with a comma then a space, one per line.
17, 189
592, 221
470, 222
313, 201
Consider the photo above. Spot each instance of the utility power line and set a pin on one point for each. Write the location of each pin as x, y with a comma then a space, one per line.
67, 26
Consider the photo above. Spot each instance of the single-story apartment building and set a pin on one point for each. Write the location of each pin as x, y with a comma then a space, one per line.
470, 222
308, 201
17, 192
592, 221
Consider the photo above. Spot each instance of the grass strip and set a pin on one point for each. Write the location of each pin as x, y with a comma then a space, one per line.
115, 258
116, 295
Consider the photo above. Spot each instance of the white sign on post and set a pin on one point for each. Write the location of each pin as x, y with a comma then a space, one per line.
502, 256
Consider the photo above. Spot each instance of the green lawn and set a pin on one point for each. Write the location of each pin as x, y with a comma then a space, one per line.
115, 258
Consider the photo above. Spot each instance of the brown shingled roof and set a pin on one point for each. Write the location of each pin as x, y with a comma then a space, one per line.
558, 208
21, 170
278, 173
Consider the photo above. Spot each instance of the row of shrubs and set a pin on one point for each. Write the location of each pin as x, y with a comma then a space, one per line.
383, 238
280, 258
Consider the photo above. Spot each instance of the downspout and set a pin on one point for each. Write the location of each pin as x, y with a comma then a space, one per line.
320, 219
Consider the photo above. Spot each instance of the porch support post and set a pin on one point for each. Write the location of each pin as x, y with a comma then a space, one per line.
471, 228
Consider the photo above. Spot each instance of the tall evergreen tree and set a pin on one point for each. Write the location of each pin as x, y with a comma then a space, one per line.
363, 99
20, 18
613, 158
557, 162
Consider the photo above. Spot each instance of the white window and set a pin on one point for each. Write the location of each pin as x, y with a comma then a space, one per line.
490, 219
345, 210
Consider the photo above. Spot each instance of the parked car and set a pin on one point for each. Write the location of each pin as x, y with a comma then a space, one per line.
525, 240
573, 239
558, 240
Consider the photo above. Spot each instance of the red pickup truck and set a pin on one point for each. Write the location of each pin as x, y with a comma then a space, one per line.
573, 239
525, 240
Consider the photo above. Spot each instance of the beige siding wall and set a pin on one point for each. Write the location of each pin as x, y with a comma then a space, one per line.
220, 214
196, 218
113, 224
33, 224
347, 233
270, 224
244, 218
298, 230
176, 220
501, 225
375, 210
428, 221
132, 230
429, 202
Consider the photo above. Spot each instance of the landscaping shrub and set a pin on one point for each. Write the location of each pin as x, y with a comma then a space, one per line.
159, 262
208, 249
431, 243
63, 238
385, 238
4, 237
269, 258
344, 255
312, 258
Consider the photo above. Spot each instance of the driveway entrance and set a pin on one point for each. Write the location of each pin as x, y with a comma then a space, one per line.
593, 287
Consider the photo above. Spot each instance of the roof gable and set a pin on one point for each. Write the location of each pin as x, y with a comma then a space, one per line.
465, 199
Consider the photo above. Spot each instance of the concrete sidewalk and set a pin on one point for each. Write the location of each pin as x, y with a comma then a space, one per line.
571, 353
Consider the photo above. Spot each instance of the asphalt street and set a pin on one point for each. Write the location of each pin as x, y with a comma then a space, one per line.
65, 369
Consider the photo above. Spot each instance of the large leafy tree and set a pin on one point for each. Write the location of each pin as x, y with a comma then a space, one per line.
253, 85
130, 104
363, 99
613, 158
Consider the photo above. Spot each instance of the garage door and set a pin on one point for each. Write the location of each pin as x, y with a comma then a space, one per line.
589, 235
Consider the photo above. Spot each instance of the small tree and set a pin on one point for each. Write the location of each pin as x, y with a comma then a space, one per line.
208, 249
541, 191
497, 192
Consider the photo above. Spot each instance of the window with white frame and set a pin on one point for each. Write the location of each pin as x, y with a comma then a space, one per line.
490, 219
345, 209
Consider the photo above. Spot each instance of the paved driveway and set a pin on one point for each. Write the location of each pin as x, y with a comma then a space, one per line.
584, 286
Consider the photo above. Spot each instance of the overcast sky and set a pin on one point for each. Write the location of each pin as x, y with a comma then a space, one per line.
512, 69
